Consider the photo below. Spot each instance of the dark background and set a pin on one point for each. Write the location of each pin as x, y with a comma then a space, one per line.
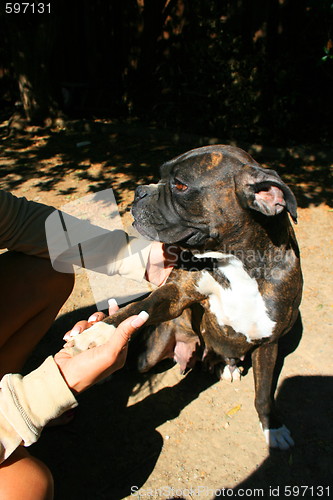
249, 70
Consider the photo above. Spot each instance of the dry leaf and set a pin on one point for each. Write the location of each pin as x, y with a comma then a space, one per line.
233, 410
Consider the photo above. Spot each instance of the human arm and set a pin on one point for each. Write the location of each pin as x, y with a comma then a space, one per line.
28, 403
22, 225
40, 230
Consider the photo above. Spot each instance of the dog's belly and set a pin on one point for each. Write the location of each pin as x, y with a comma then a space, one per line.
239, 306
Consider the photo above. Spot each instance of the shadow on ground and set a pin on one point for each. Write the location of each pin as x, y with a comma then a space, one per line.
307, 402
130, 153
110, 448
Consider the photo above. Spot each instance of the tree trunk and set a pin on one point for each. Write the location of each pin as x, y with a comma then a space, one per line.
32, 46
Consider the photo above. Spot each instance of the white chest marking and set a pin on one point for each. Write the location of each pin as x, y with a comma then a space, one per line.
241, 306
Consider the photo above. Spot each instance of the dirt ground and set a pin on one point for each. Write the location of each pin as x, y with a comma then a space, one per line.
164, 435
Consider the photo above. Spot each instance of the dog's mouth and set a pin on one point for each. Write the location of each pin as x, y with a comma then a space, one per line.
188, 238
194, 240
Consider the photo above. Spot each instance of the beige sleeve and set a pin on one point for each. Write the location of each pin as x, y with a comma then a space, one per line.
73, 241
118, 253
22, 225
22, 228
28, 403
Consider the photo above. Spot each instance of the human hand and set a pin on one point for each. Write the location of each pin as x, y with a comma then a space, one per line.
92, 365
162, 259
82, 325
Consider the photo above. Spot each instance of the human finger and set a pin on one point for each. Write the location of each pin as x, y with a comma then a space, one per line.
82, 325
96, 316
125, 330
113, 306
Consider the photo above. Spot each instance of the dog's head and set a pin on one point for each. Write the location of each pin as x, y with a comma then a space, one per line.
206, 195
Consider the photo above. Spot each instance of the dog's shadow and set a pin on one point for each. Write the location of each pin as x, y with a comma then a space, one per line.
110, 448
306, 404
306, 469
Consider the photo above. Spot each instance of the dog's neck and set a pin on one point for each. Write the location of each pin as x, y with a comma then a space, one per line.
271, 241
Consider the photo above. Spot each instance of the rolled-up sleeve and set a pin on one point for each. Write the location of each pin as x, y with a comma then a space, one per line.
28, 403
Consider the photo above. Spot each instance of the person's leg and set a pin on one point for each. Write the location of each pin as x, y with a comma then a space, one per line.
24, 477
32, 295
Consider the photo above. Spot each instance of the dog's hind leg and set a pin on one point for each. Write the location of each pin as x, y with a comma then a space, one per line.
156, 343
173, 339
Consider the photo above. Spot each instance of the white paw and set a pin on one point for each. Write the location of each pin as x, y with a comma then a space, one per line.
231, 375
278, 438
97, 334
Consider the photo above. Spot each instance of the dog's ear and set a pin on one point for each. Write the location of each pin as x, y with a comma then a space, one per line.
263, 190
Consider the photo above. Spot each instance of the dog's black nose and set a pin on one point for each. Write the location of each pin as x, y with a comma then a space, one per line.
141, 192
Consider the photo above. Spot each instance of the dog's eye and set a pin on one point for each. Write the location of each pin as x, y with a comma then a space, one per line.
179, 185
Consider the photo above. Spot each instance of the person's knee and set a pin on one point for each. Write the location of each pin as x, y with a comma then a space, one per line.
23, 476
51, 280
40, 481
25, 273
60, 284
55, 287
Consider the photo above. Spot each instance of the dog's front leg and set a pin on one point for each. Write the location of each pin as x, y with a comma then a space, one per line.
263, 361
165, 303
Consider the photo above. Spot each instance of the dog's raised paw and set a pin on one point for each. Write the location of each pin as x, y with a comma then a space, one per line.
278, 438
97, 334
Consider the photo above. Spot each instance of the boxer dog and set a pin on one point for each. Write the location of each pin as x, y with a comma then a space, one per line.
237, 286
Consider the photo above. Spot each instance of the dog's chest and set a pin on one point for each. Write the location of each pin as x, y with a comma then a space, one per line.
240, 305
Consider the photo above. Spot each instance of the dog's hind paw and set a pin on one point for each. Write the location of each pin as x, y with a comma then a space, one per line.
278, 438
97, 334
230, 374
